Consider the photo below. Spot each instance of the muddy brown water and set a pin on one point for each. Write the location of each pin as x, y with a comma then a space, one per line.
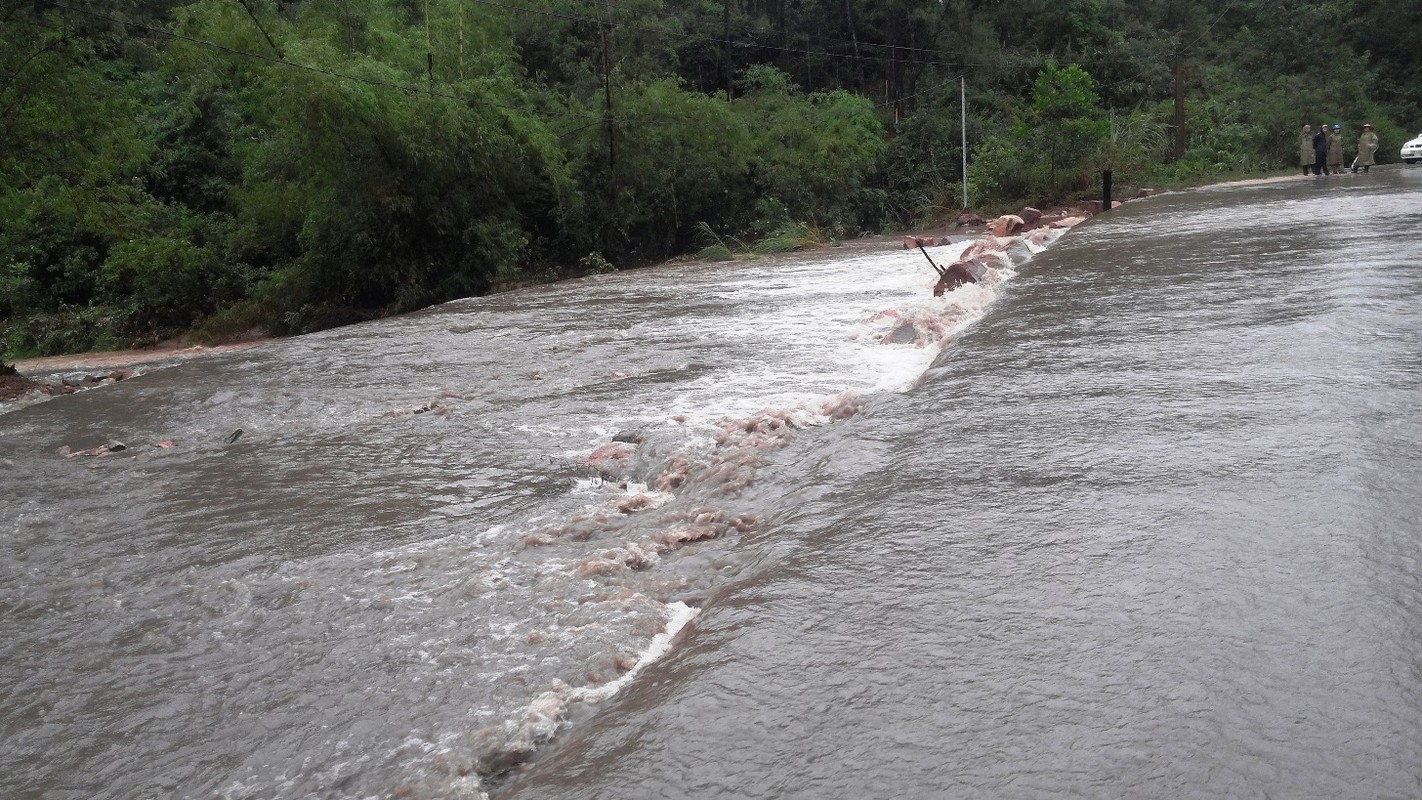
1139, 517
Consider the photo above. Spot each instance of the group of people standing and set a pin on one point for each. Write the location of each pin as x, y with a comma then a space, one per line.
1322, 151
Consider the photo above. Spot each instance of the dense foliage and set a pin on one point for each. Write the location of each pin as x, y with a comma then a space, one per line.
294, 164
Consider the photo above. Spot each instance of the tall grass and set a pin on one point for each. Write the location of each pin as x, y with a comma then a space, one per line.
789, 237
717, 248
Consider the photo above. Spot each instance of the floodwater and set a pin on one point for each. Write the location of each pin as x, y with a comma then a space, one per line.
1138, 517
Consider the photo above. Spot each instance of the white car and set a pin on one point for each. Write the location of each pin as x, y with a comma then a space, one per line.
1412, 151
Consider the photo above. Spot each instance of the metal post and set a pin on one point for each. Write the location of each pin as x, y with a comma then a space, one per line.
963, 124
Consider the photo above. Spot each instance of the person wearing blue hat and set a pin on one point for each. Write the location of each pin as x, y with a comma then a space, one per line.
1335, 149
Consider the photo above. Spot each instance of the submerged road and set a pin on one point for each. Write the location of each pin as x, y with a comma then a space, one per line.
1138, 517
1152, 528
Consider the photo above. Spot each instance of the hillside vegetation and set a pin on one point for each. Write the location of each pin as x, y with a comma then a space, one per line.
204, 168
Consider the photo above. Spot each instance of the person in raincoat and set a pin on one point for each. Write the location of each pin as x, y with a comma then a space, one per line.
1335, 150
1367, 145
1320, 150
1306, 148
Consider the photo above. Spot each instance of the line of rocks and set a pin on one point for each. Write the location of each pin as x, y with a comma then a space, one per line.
14, 386
1026, 219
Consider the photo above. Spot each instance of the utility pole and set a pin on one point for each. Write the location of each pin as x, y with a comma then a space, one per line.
429, 46
607, 118
854, 39
460, 8
726, 44
346, 25
607, 105
1179, 103
963, 125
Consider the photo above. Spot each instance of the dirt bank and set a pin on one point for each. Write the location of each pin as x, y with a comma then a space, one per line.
113, 359
35, 379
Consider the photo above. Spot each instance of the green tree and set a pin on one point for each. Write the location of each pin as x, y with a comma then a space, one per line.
1067, 121
673, 159
816, 154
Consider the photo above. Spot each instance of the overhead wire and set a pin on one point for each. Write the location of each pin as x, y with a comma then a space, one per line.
273, 60
430, 91
258, 23
407, 88
711, 39
852, 43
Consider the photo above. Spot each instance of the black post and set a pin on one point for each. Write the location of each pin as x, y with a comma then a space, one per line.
1105, 190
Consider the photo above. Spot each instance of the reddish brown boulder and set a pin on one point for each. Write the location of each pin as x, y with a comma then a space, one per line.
910, 242
1005, 225
14, 385
958, 274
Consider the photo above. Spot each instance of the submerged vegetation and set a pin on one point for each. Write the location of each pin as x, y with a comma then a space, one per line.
205, 168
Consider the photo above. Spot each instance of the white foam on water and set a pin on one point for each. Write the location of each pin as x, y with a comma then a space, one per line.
678, 614
824, 334
787, 337
781, 336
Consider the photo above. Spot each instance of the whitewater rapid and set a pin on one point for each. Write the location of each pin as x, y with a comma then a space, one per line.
438, 539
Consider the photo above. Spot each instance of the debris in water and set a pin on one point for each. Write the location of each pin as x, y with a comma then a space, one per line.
434, 406
101, 450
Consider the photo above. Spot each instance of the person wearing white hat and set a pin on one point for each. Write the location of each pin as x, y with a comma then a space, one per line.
1306, 148
1367, 145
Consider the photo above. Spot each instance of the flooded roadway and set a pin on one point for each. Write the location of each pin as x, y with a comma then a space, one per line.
1147, 526
1149, 529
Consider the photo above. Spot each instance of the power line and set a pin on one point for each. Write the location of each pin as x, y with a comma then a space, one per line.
1209, 28
309, 68
713, 39
412, 89
258, 23
647, 12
